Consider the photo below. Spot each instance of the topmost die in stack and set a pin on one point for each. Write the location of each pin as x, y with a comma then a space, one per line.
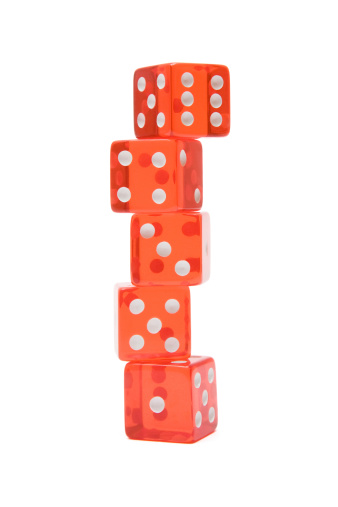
182, 100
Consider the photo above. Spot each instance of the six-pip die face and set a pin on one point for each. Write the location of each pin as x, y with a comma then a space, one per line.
182, 99
170, 248
152, 322
156, 175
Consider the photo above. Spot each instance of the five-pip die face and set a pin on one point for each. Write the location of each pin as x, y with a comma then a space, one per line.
182, 99
152, 322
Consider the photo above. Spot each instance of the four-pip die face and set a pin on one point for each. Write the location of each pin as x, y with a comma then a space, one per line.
183, 100
156, 175
171, 401
152, 322
170, 249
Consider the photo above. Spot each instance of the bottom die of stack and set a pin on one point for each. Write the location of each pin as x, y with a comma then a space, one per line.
171, 401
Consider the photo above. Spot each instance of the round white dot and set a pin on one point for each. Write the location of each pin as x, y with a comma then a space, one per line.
141, 120
198, 419
205, 397
151, 101
157, 404
141, 84
171, 344
158, 159
125, 157
217, 82
136, 306
212, 414
197, 195
216, 119
123, 194
154, 325
211, 375
136, 342
172, 306
187, 98
160, 81
163, 249
183, 158
160, 120
159, 196
147, 231
187, 119
197, 380
187, 79
182, 268
216, 100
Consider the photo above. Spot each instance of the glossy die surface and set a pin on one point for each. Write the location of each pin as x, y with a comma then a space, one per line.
183, 100
171, 401
152, 322
156, 175
170, 249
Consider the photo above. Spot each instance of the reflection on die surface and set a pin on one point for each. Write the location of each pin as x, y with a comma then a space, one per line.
152, 322
156, 175
182, 100
170, 248
171, 401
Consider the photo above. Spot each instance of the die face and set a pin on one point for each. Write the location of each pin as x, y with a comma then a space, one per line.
170, 249
162, 403
152, 110
195, 101
204, 397
218, 100
189, 100
157, 175
152, 322
190, 175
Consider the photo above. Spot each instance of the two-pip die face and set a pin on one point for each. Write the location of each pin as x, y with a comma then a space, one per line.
172, 401
183, 100
156, 175
170, 248
152, 322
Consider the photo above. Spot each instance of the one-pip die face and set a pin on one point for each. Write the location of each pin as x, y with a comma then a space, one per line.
156, 175
182, 99
170, 248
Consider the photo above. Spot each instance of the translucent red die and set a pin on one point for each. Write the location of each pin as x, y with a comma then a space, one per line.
170, 248
152, 322
182, 100
171, 401
156, 175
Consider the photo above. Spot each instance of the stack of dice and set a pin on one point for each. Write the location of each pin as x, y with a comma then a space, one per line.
169, 394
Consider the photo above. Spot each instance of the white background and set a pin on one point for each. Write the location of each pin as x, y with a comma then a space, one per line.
268, 315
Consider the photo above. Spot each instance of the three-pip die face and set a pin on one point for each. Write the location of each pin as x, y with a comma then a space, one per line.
172, 401
156, 175
152, 322
170, 248
182, 99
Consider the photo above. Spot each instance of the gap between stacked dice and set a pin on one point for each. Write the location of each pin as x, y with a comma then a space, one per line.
170, 395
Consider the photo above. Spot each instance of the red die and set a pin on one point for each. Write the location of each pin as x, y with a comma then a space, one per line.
182, 100
170, 249
171, 401
150, 175
152, 322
